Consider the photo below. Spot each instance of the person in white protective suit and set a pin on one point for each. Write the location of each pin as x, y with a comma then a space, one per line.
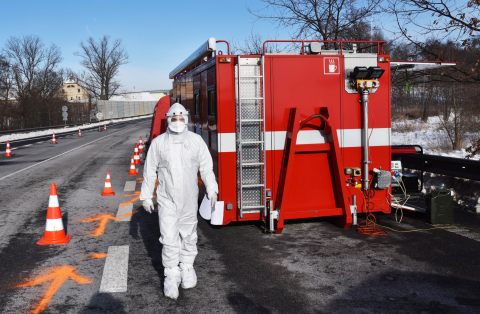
177, 155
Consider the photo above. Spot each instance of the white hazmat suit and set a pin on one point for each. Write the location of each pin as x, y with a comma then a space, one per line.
177, 157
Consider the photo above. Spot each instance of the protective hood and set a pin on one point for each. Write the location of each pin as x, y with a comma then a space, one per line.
177, 110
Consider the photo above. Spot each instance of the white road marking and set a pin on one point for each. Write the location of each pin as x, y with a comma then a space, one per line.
466, 233
130, 186
115, 271
13, 148
41, 162
125, 213
27, 145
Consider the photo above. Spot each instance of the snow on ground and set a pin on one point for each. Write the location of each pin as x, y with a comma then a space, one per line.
142, 96
18, 136
430, 135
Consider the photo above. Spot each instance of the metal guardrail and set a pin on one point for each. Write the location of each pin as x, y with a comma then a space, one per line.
59, 126
85, 127
455, 167
38, 129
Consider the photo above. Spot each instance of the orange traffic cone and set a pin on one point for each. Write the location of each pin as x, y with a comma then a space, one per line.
54, 141
8, 152
133, 170
140, 146
136, 156
79, 133
104, 127
54, 232
108, 186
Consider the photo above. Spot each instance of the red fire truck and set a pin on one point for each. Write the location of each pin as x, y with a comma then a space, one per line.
292, 135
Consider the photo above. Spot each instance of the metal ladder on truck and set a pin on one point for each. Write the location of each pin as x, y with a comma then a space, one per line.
250, 128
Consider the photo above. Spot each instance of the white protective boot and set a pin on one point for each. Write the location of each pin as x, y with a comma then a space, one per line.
189, 277
171, 283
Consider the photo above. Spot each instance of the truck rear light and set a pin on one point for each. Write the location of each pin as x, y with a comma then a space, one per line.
383, 59
224, 60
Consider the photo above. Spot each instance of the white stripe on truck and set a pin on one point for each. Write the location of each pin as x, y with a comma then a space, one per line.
346, 138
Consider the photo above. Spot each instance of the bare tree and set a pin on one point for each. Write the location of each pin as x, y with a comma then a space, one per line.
102, 61
6, 87
36, 77
316, 19
446, 21
253, 45
447, 18
6, 79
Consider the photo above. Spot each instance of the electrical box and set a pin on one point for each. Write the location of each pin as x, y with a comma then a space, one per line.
356, 172
348, 171
382, 179
397, 173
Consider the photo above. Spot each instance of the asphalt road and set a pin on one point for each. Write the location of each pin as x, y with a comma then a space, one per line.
312, 267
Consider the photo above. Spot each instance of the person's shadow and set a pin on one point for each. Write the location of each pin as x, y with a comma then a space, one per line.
146, 226
104, 303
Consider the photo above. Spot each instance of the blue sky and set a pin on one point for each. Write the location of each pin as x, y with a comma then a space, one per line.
158, 35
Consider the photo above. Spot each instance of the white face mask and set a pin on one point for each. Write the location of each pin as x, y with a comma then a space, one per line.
177, 126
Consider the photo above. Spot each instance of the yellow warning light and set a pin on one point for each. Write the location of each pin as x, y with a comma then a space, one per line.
224, 60
365, 84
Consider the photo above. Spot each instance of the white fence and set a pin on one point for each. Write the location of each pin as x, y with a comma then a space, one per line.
125, 109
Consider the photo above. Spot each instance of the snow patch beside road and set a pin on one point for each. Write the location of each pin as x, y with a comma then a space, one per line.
19, 136
430, 135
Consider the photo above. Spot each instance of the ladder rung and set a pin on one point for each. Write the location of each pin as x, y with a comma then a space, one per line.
252, 185
254, 142
260, 144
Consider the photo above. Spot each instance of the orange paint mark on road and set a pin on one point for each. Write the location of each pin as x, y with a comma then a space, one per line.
58, 275
128, 215
103, 222
132, 200
137, 193
134, 194
98, 255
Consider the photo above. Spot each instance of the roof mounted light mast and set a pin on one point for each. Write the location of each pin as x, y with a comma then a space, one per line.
366, 81
209, 46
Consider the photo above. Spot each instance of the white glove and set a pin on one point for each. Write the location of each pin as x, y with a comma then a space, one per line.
148, 205
212, 196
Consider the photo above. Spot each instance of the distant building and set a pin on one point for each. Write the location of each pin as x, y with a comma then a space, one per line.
72, 91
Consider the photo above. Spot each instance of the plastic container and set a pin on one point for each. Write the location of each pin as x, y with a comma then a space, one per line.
440, 207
